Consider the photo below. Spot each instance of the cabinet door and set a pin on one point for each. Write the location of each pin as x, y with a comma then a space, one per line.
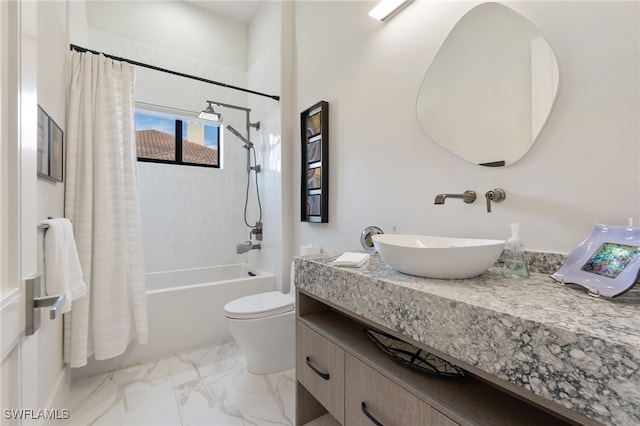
370, 397
320, 369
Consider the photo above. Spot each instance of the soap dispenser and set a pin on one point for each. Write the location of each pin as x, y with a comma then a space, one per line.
515, 265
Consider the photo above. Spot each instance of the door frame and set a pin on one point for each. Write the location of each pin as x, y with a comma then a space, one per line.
18, 194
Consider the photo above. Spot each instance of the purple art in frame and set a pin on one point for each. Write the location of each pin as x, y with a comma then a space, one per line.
606, 263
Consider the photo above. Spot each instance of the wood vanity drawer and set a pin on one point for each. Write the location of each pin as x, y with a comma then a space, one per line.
320, 369
384, 401
435, 417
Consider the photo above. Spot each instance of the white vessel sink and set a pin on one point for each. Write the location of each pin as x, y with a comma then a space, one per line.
438, 257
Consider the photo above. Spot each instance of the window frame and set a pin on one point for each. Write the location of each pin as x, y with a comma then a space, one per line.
179, 117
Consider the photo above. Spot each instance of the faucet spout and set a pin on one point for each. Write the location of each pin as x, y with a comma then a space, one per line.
468, 197
246, 246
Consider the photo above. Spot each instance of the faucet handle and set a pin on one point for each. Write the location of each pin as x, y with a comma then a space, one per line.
497, 195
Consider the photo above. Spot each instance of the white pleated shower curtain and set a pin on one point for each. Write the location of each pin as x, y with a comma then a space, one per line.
101, 199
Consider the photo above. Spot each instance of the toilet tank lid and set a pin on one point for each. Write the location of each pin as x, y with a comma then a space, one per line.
259, 305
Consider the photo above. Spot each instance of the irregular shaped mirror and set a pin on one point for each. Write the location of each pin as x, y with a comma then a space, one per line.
491, 87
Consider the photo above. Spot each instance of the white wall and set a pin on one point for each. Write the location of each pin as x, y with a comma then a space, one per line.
191, 216
52, 83
176, 26
384, 171
264, 76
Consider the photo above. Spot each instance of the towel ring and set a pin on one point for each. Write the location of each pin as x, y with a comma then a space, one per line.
365, 237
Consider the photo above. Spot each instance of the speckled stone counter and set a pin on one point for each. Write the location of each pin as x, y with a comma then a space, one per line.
556, 341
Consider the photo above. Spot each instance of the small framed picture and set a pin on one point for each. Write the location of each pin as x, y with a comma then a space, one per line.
314, 151
56, 148
314, 178
43, 143
606, 263
314, 204
314, 124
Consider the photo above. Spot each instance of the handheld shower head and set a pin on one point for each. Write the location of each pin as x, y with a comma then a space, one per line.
247, 143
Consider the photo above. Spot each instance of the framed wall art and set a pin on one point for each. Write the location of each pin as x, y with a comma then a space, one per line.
50, 148
314, 186
43, 143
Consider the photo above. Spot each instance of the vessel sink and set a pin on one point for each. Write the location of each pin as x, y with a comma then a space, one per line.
438, 257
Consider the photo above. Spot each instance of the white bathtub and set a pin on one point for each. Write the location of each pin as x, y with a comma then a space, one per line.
186, 310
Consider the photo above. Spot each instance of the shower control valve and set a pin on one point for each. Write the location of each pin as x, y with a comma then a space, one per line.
257, 231
497, 195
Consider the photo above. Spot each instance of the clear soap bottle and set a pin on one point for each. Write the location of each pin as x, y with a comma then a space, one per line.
515, 265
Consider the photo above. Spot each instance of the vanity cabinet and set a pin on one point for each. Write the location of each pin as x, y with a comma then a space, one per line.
370, 397
321, 367
340, 371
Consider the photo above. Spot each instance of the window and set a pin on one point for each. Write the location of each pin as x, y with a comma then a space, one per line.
163, 138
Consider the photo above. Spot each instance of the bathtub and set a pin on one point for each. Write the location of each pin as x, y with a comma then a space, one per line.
186, 311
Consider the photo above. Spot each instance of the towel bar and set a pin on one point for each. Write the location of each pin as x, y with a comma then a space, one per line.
44, 226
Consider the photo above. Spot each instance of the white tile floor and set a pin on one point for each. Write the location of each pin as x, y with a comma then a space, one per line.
208, 386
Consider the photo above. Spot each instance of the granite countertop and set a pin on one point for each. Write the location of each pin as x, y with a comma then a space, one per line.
556, 341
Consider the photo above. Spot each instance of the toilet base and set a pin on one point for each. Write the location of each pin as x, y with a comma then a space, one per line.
268, 343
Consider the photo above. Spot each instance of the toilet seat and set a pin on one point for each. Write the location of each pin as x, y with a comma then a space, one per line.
259, 305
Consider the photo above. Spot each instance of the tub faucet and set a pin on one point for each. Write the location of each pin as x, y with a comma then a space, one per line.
246, 246
468, 197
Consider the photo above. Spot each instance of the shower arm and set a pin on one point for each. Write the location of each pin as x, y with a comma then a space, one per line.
247, 111
249, 125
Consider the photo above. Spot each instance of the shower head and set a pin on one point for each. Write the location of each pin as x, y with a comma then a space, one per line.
247, 143
209, 114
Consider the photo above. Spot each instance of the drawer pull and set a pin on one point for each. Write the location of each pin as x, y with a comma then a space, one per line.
318, 372
375, 421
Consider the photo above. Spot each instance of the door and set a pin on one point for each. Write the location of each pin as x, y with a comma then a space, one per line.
18, 225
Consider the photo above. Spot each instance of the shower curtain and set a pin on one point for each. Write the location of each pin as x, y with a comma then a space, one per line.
101, 199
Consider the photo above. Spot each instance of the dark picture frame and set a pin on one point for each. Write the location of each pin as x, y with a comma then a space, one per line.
314, 184
50, 148
43, 143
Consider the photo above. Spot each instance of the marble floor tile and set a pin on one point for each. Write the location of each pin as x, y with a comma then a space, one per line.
205, 386
236, 397
138, 395
202, 362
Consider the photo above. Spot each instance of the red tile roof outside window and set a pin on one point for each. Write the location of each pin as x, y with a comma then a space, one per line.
157, 145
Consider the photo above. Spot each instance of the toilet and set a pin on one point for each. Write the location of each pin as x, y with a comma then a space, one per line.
263, 325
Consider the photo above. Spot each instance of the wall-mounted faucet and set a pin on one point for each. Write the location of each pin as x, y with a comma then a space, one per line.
246, 246
468, 197
497, 196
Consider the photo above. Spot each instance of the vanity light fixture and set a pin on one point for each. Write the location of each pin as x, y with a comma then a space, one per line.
386, 8
209, 114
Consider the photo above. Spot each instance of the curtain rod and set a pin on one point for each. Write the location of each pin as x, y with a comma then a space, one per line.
179, 74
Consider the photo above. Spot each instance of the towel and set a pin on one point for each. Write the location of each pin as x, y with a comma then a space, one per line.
62, 271
353, 260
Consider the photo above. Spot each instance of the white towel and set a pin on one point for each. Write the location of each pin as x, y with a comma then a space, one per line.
62, 271
353, 260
